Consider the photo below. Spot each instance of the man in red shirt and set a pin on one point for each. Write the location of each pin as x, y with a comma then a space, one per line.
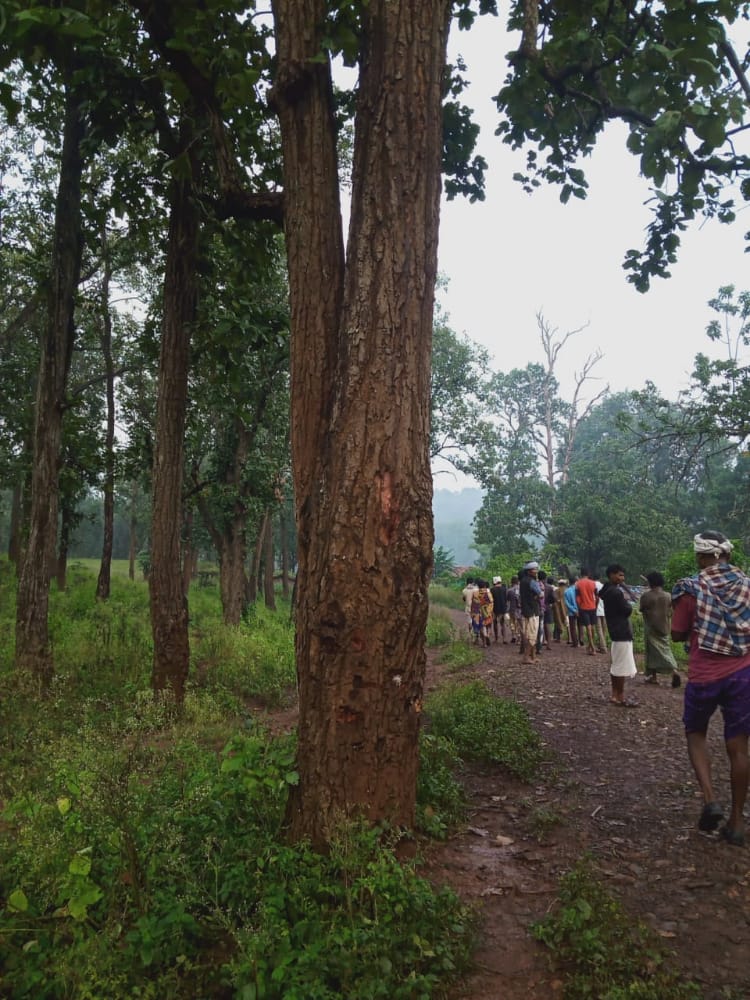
712, 613
586, 599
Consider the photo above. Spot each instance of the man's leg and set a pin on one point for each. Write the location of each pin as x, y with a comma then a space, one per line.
590, 637
738, 779
573, 628
698, 754
618, 689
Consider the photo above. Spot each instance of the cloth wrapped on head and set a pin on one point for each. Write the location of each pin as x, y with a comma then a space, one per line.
711, 543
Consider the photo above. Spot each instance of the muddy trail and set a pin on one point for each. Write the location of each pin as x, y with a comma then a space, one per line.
619, 786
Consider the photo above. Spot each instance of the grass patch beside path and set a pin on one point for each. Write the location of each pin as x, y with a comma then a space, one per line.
603, 953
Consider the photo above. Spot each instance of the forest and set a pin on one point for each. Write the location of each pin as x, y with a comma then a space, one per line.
248, 398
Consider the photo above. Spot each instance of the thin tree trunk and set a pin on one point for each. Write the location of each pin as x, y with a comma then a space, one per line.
105, 568
254, 575
169, 613
269, 595
283, 528
33, 650
61, 566
361, 339
133, 533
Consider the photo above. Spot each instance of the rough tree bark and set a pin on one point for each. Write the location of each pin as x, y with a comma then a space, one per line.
33, 651
169, 614
361, 341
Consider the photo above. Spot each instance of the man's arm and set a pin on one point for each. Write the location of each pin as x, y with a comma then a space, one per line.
682, 619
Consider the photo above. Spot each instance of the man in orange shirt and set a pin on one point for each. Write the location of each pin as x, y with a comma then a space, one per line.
586, 599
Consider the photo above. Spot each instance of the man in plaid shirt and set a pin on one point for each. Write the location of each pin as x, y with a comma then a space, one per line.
712, 613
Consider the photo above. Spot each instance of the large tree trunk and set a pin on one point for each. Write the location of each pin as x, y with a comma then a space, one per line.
361, 341
105, 567
169, 613
32, 635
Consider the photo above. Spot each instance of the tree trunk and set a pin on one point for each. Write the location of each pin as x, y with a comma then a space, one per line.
61, 565
133, 533
269, 595
283, 528
169, 613
32, 634
361, 339
105, 568
254, 575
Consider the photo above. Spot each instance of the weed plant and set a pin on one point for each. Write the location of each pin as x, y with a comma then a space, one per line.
602, 952
485, 727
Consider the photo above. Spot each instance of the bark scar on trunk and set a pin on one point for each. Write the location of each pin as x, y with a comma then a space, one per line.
388, 506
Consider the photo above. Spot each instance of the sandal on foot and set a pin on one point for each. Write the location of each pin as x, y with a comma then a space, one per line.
734, 837
676, 680
651, 679
711, 816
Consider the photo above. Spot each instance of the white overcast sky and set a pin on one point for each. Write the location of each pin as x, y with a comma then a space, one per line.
514, 254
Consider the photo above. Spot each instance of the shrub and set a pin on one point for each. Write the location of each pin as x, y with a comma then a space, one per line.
357, 923
485, 727
603, 952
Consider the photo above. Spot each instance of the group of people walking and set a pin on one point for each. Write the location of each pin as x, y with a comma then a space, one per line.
708, 612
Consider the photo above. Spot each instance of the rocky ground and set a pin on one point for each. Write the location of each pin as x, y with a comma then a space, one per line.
619, 786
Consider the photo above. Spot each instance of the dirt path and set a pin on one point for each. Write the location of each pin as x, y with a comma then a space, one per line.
620, 787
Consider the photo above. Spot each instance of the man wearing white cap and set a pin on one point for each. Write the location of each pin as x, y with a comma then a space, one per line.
712, 613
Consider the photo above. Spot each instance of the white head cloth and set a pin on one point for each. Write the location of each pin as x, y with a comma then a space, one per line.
711, 546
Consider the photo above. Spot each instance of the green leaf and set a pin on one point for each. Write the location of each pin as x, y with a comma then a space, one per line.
78, 905
17, 901
80, 865
63, 805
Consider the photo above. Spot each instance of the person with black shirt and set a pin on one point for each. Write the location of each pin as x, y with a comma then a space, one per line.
530, 593
500, 606
617, 612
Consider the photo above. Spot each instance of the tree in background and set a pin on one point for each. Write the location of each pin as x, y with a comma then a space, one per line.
459, 429
535, 433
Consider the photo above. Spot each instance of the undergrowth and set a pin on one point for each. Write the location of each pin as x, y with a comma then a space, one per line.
482, 726
143, 855
603, 953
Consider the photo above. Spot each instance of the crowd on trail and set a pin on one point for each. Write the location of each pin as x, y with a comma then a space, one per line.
708, 612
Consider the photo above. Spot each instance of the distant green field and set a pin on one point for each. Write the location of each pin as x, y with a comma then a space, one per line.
119, 566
